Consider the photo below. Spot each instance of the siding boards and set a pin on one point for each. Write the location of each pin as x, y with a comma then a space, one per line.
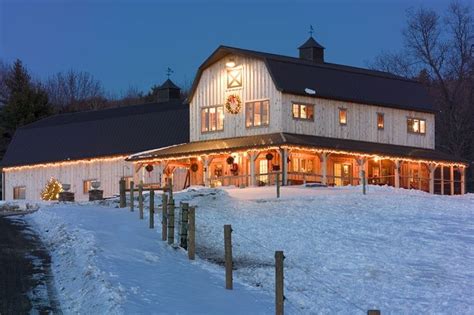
361, 122
212, 90
108, 172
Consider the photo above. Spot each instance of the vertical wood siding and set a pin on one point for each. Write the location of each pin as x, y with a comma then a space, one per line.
212, 90
108, 172
361, 122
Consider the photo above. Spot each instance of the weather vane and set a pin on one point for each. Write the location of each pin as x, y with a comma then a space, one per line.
311, 30
169, 72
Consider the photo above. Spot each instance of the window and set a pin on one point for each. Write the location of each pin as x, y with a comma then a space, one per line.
19, 192
234, 78
380, 121
302, 165
416, 125
212, 119
87, 185
257, 113
342, 116
303, 111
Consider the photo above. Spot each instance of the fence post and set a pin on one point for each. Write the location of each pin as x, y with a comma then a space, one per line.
191, 233
122, 193
170, 187
279, 295
373, 312
140, 199
152, 209
363, 182
228, 255
132, 202
171, 221
278, 184
164, 216
183, 242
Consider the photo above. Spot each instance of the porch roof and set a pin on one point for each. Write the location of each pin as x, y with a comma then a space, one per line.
293, 140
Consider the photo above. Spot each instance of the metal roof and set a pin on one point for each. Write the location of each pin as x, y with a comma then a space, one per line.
305, 141
332, 81
109, 132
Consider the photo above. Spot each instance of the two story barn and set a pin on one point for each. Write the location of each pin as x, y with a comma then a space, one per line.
255, 114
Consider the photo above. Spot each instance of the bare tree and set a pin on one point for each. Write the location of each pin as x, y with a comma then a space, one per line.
73, 91
439, 48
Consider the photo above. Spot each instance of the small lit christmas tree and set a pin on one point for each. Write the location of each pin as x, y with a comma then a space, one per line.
51, 190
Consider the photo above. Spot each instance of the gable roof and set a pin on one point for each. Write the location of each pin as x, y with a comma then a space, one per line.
332, 81
91, 134
288, 139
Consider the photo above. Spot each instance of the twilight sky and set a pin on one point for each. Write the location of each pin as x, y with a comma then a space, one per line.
131, 43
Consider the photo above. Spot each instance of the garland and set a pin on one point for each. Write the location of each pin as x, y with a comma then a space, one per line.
233, 104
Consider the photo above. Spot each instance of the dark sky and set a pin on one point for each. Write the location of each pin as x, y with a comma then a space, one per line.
131, 43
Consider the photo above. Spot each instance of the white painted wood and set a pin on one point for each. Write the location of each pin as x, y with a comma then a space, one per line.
35, 179
212, 90
361, 122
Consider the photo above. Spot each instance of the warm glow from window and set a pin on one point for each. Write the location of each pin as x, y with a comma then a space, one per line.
212, 118
19, 192
380, 121
257, 113
342, 116
234, 78
415, 125
303, 111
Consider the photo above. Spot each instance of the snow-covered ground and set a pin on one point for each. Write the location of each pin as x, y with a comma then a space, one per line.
396, 250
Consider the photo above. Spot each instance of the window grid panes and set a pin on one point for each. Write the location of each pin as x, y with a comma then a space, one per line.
212, 118
19, 192
416, 125
303, 111
257, 113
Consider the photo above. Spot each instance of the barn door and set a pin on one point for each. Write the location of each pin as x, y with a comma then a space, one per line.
179, 178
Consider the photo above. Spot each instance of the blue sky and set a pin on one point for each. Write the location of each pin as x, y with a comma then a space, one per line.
131, 43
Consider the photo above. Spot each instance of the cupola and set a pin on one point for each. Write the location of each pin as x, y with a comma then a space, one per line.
311, 50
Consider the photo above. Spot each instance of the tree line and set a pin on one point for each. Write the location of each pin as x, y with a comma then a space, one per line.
24, 100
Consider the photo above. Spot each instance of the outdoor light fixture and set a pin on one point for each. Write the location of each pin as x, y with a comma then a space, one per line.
230, 63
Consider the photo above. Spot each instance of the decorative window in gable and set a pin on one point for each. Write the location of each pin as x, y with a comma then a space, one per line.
234, 77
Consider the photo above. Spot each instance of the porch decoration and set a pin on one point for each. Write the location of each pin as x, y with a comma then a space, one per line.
233, 104
269, 156
194, 167
51, 190
230, 160
149, 168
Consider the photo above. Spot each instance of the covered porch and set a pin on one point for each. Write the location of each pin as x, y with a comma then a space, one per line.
261, 160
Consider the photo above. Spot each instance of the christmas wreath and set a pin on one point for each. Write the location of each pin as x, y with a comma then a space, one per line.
149, 168
230, 160
269, 156
233, 104
194, 167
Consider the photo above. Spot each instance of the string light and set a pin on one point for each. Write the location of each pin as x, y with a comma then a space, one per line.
65, 163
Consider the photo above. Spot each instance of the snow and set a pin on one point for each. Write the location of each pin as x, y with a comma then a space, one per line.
397, 250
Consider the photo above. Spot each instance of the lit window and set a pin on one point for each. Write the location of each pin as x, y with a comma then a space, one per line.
415, 125
303, 111
234, 78
342, 116
302, 165
19, 192
212, 119
87, 185
380, 121
257, 114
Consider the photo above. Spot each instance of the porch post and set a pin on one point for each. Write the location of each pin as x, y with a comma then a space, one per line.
397, 173
284, 165
451, 177
252, 157
361, 161
442, 179
463, 179
432, 168
324, 167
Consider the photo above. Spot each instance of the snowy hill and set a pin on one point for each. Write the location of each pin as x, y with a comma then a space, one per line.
395, 250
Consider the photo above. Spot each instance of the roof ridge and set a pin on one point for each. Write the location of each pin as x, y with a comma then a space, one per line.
327, 65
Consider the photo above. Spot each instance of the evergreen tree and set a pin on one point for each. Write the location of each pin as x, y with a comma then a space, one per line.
26, 101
